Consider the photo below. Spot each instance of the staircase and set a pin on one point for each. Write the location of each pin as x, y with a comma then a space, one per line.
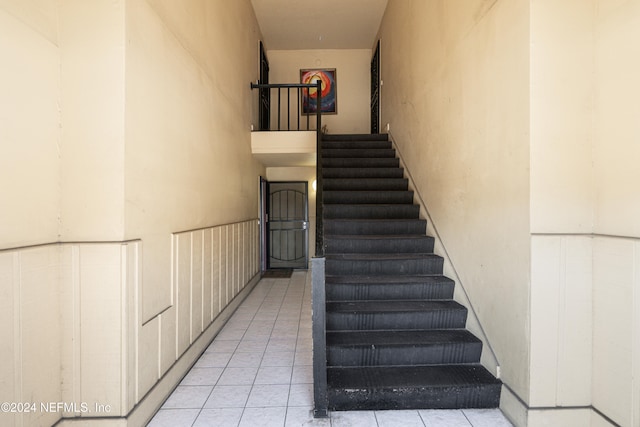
395, 337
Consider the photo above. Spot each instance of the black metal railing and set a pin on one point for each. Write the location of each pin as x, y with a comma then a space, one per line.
302, 119
319, 335
265, 103
318, 262
319, 197
318, 293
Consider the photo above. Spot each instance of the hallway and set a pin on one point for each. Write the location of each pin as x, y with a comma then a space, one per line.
258, 371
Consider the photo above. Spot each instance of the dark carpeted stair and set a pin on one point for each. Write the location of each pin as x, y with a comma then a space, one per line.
382, 197
395, 337
350, 226
373, 243
409, 387
370, 211
402, 347
362, 172
380, 287
365, 184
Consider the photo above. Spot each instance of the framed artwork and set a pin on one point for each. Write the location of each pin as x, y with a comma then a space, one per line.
329, 103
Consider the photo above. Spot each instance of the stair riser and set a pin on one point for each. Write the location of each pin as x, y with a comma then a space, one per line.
358, 153
364, 291
419, 266
434, 319
476, 396
355, 137
367, 197
356, 144
397, 355
364, 227
338, 211
379, 246
360, 163
395, 184
370, 172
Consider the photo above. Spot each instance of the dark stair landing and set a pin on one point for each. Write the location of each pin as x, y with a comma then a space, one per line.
395, 337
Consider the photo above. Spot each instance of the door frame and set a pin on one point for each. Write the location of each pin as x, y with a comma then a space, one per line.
375, 90
263, 224
264, 109
267, 243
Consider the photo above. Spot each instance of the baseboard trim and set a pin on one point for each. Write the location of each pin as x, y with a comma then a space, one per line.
522, 415
142, 413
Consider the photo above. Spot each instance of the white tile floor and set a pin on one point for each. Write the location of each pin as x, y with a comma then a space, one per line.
258, 372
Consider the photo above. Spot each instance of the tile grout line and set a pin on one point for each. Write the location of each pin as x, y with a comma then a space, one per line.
424, 423
214, 386
265, 349
294, 349
232, 354
265, 296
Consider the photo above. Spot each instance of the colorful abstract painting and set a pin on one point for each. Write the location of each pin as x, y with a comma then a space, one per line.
329, 91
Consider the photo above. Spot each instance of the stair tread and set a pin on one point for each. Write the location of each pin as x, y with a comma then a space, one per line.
368, 191
356, 193
357, 152
356, 144
397, 171
380, 257
382, 279
360, 162
384, 287
380, 197
355, 137
374, 226
365, 159
388, 306
408, 337
371, 211
390, 184
377, 236
375, 220
367, 180
403, 377
392, 169
364, 205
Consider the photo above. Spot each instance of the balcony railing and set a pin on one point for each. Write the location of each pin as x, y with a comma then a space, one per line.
318, 262
282, 93
266, 90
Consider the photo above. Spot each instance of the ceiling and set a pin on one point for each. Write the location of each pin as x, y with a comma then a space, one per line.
320, 24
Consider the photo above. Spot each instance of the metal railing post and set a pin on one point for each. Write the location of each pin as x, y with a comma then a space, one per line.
320, 397
319, 222
318, 295
279, 108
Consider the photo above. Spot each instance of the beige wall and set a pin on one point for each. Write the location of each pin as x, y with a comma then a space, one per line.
29, 123
92, 120
126, 159
187, 109
455, 95
616, 110
352, 78
519, 128
584, 208
562, 197
30, 328
616, 277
